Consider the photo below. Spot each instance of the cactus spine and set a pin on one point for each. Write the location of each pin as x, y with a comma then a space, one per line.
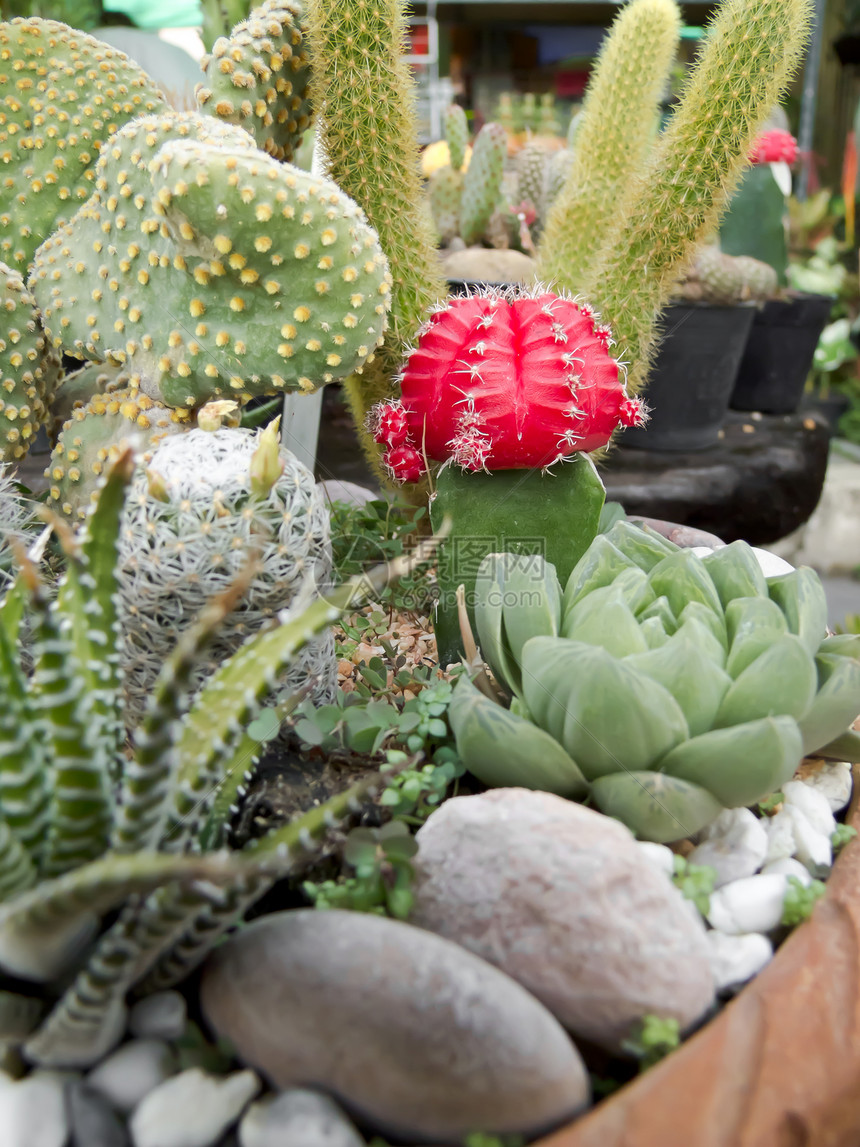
748, 58
617, 128
361, 85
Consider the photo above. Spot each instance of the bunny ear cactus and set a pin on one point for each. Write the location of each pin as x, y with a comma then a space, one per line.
29, 367
257, 77
500, 387
87, 827
617, 129
457, 135
482, 183
218, 270
748, 57
671, 685
65, 94
362, 89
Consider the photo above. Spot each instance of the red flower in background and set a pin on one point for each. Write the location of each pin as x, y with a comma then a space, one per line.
773, 146
502, 382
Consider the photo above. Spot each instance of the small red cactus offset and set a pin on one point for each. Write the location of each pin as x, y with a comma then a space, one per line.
505, 382
773, 147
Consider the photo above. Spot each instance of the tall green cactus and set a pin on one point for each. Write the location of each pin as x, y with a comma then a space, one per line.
482, 183
749, 55
64, 95
617, 129
364, 93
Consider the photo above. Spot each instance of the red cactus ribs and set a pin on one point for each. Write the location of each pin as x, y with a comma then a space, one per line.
505, 382
773, 146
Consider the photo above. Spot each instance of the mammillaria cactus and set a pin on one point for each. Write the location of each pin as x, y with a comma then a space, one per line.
18, 523
667, 685
196, 512
502, 387
219, 270
29, 367
65, 94
258, 76
617, 128
722, 279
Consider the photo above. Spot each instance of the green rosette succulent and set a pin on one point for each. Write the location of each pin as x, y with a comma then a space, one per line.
666, 685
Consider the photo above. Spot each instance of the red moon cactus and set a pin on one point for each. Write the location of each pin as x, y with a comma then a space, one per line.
773, 146
505, 382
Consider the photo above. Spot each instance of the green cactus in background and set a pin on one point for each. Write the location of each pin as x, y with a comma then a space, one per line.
456, 135
747, 59
217, 270
756, 221
29, 367
258, 77
362, 87
219, 19
66, 95
667, 686
547, 123
86, 828
482, 183
446, 196
533, 168
715, 277
617, 129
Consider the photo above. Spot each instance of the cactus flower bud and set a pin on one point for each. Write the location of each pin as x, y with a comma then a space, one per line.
773, 147
509, 381
266, 462
156, 486
213, 415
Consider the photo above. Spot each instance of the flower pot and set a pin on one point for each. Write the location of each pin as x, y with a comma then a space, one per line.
830, 409
779, 1064
779, 352
693, 375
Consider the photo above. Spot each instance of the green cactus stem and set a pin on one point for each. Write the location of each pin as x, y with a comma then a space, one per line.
482, 183
749, 55
65, 94
29, 367
220, 272
258, 77
219, 18
617, 129
446, 196
362, 87
456, 135
755, 223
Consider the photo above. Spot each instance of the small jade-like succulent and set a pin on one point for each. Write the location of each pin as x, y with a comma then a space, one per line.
666, 685
204, 268
202, 506
505, 381
258, 76
29, 367
64, 95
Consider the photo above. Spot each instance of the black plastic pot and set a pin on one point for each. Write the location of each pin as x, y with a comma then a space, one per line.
830, 409
779, 352
693, 376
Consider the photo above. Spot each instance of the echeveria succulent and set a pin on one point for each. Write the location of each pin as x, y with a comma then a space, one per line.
667, 685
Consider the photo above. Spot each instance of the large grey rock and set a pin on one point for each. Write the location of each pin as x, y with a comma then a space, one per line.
193, 1109
561, 899
410, 1032
297, 1118
131, 1072
33, 1111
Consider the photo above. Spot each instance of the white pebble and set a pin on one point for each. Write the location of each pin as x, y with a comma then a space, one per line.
162, 1015
736, 959
811, 847
658, 854
299, 1117
192, 1109
135, 1069
734, 845
771, 565
813, 804
835, 781
33, 1111
753, 904
788, 866
780, 835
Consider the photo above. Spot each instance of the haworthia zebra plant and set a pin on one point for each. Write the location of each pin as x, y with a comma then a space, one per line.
87, 824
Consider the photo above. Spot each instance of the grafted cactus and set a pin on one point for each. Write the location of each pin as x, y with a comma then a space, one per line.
29, 367
668, 686
65, 94
220, 271
257, 77
195, 510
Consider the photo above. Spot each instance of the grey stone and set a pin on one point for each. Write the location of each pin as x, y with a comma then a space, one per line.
33, 1111
162, 1015
134, 1069
93, 1123
736, 959
558, 896
193, 1109
734, 845
411, 1033
297, 1118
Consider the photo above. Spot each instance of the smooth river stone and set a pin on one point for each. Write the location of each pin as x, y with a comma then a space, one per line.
562, 899
412, 1034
